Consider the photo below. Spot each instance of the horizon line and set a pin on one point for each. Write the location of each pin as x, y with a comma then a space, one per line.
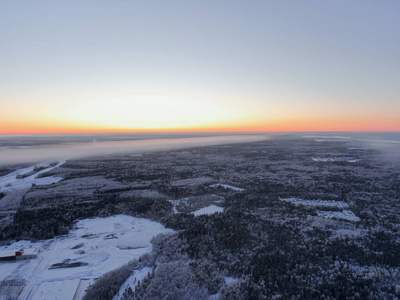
195, 131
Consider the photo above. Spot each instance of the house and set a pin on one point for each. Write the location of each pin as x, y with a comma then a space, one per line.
7, 255
26, 254
10, 255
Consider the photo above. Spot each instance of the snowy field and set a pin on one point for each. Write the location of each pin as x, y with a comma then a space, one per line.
344, 214
334, 159
23, 179
227, 186
321, 203
198, 205
209, 210
191, 181
347, 215
99, 245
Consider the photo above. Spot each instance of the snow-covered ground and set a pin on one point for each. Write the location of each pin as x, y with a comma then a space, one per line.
179, 202
209, 210
174, 206
192, 181
23, 179
357, 148
344, 215
65, 290
194, 204
334, 159
227, 186
103, 244
231, 280
322, 203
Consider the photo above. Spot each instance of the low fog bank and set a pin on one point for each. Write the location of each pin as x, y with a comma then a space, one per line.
386, 143
49, 152
377, 139
28, 140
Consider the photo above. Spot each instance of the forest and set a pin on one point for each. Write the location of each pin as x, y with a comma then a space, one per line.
259, 247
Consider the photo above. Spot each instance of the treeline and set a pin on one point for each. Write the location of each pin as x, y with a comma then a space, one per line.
107, 286
52, 220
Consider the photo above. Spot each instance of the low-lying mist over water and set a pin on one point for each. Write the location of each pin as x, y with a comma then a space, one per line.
31, 149
387, 142
15, 149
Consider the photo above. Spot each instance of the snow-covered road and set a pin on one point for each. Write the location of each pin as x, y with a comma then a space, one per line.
33, 284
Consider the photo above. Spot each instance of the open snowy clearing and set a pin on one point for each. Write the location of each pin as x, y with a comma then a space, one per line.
99, 245
194, 204
209, 210
23, 179
230, 280
334, 159
347, 215
191, 181
227, 186
314, 203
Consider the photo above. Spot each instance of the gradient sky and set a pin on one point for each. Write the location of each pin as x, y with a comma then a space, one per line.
92, 66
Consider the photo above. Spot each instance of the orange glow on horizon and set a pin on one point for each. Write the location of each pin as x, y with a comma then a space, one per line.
196, 118
288, 126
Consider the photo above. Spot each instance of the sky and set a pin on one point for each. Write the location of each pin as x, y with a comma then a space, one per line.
142, 66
